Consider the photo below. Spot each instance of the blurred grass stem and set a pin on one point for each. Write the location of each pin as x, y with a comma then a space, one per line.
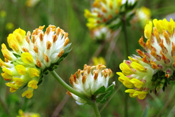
4, 106
110, 98
126, 56
67, 87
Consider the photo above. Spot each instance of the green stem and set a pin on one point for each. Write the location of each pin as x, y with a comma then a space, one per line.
126, 37
67, 87
94, 106
126, 57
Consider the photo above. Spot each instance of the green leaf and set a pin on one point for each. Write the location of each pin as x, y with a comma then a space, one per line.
100, 90
111, 87
104, 96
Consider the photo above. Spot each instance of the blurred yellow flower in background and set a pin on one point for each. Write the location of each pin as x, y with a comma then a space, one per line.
31, 3
27, 114
104, 10
99, 60
9, 26
144, 15
2, 13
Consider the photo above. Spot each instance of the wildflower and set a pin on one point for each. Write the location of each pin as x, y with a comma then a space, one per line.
31, 3
99, 60
31, 56
137, 76
92, 81
105, 10
156, 65
27, 114
160, 47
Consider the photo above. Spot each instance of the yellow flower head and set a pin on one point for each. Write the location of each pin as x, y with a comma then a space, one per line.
31, 55
136, 75
104, 10
89, 80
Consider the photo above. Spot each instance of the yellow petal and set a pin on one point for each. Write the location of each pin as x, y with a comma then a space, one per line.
18, 81
140, 94
127, 83
21, 32
27, 58
137, 83
33, 84
28, 93
138, 66
20, 69
34, 72
125, 68
87, 13
148, 30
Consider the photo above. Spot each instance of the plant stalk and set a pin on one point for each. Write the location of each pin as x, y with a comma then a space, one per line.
96, 110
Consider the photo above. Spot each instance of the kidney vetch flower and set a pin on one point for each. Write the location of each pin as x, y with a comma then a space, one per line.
160, 45
104, 10
31, 56
154, 69
92, 81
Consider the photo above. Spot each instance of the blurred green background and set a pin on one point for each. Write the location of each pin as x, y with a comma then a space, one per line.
50, 98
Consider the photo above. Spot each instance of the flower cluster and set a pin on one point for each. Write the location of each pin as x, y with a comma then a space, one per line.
31, 56
89, 80
155, 67
104, 10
